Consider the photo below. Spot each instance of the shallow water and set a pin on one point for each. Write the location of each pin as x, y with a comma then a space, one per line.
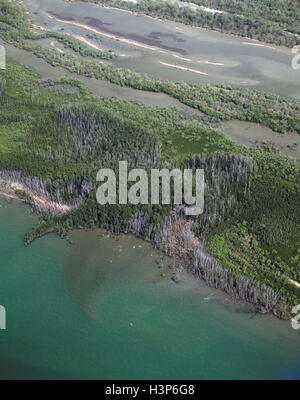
99, 88
244, 63
99, 308
245, 133
252, 135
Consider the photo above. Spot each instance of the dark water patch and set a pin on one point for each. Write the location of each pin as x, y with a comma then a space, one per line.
99, 22
103, 26
96, 23
61, 16
251, 66
157, 35
14, 368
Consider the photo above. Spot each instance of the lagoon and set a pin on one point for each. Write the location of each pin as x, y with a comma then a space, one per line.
163, 48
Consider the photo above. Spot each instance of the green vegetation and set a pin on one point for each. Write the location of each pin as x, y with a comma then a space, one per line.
55, 136
54, 140
20, 39
240, 252
15, 30
284, 13
268, 20
217, 102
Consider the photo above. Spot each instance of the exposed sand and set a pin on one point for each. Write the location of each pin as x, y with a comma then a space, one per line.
78, 37
210, 10
9, 188
193, 6
295, 283
259, 45
38, 27
195, 71
181, 58
210, 63
87, 42
113, 37
57, 48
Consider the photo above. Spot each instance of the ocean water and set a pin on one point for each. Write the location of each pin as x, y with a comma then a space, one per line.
99, 309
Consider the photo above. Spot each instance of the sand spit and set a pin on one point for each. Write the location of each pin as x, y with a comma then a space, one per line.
259, 45
52, 44
210, 63
195, 71
109, 36
78, 37
87, 42
181, 58
38, 27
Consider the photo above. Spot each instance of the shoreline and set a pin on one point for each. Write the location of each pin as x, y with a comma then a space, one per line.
42, 201
178, 253
184, 254
9, 188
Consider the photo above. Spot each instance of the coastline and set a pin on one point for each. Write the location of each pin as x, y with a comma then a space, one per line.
187, 250
138, 291
10, 188
124, 306
181, 253
45, 204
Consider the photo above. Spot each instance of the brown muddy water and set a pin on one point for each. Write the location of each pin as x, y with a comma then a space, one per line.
146, 44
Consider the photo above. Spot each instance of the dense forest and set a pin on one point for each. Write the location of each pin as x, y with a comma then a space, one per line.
283, 13
269, 21
247, 239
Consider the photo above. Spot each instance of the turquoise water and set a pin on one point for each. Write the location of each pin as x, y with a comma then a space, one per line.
99, 308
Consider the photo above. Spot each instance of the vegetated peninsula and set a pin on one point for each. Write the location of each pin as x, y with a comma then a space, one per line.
55, 136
